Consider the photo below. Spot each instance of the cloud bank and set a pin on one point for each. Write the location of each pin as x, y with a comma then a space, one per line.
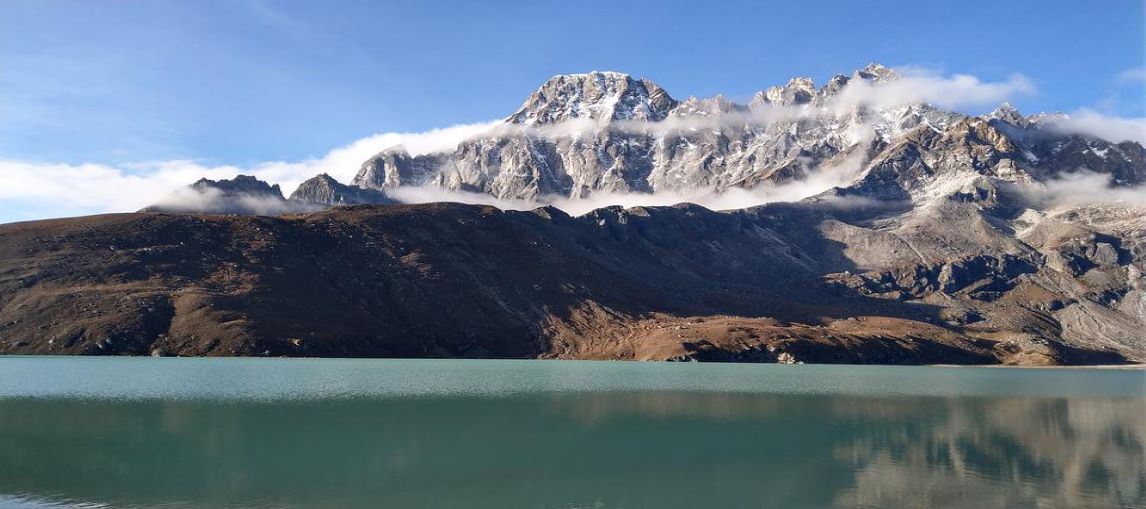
187, 199
1083, 188
1091, 123
728, 199
918, 85
51, 190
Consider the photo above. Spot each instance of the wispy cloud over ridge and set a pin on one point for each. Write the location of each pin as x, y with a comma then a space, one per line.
1082, 188
71, 189
918, 85
1092, 123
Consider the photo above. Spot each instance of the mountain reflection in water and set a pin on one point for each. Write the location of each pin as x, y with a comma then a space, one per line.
601, 449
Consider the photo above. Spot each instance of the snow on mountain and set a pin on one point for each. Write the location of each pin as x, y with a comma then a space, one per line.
601, 96
606, 132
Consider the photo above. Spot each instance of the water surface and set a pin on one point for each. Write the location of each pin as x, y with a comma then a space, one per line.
142, 432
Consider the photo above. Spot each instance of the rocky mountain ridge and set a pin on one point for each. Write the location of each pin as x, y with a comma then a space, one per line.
605, 132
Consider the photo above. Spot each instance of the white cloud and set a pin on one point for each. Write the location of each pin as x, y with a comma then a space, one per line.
1083, 188
342, 163
1132, 75
727, 200
921, 85
187, 199
1092, 123
95, 188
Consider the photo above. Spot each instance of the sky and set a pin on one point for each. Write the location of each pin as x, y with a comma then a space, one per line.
132, 88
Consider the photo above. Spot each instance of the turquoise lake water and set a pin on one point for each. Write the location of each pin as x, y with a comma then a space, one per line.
331, 433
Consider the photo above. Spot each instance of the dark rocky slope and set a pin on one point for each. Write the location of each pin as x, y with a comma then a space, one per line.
773, 284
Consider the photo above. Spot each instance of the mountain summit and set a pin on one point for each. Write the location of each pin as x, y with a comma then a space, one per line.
600, 96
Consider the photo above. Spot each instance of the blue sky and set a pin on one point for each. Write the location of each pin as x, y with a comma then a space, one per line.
241, 81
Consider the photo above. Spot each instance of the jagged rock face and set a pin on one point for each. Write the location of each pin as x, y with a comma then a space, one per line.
248, 195
324, 190
651, 158
1125, 162
600, 96
394, 167
579, 135
876, 72
797, 91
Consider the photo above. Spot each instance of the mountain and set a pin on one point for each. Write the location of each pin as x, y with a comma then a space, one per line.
605, 133
912, 235
581, 135
243, 194
246, 194
324, 190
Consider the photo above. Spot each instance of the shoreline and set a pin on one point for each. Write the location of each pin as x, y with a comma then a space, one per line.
1131, 366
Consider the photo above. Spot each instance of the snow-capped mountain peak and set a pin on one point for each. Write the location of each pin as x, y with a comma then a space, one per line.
601, 96
1009, 114
876, 72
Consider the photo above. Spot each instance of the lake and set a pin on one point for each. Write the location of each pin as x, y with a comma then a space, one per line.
266, 433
